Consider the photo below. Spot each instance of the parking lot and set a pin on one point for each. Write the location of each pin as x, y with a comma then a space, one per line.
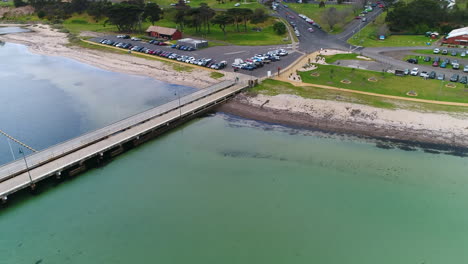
223, 53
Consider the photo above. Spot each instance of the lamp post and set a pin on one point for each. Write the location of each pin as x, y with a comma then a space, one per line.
180, 109
27, 168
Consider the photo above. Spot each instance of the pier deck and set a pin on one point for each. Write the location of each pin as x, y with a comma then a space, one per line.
53, 160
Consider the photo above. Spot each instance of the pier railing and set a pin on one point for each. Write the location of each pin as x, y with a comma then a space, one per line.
36, 159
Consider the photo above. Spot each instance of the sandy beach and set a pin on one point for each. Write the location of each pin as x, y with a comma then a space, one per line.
411, 126
46, 41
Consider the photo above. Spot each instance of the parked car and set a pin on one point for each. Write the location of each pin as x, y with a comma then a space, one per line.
364, 19
414, 72
412, 60
436, 51
310, 30
237, 4
444, 52
455, 65
432, 75
437, 59
463, 54
441, 76
435, 64
136, 39
427, 59
446, 60
424, 74
464, 80
454, 53
443, 64
454, 78
465, 69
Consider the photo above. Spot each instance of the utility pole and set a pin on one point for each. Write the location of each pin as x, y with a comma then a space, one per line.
27, 168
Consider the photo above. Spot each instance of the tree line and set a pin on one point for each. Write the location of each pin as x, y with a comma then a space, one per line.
420, 16
129, 15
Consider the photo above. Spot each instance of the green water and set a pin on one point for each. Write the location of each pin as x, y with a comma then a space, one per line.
226, 190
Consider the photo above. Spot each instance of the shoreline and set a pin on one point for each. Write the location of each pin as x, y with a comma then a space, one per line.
44, 40
448, 139
289, 110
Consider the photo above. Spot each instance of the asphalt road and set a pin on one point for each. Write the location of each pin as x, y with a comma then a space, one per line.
310, 42
225, 53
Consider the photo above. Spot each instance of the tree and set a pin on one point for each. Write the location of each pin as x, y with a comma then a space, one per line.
330, 16
357, 6
206, 14
222, 21
236, 16
125, 16
152, 12
416, 15
258, 16
19, 3
383, 30
98, 9
180, 14
246, 14
279, 28
339, 2
322, 4
79, 6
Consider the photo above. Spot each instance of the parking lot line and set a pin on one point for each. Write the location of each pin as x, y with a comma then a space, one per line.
237, 52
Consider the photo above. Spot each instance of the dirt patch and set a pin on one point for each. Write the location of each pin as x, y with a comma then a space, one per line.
412, 93
372, 79
346, 81
10, 12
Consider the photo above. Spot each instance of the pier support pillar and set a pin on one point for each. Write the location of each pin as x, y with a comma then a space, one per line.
4, 200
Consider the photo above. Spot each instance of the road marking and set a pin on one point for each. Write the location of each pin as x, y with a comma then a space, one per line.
237, 52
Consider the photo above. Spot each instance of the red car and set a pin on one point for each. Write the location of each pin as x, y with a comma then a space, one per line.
358, 17
435, 64
381, 6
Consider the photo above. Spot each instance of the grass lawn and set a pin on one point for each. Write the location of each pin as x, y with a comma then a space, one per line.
367, 37
9, 3
216, 75
250, 38
315, 13
386, 83
349, 56
273, 87
78, 23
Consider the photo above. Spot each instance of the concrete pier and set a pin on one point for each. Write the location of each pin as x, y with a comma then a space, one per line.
89, 150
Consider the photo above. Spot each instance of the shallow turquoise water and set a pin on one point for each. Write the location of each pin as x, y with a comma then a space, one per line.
228, 190
46, 100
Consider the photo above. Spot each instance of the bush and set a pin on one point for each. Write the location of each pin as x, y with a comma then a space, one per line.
279, 28
41, 14
78, 21
19, 3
